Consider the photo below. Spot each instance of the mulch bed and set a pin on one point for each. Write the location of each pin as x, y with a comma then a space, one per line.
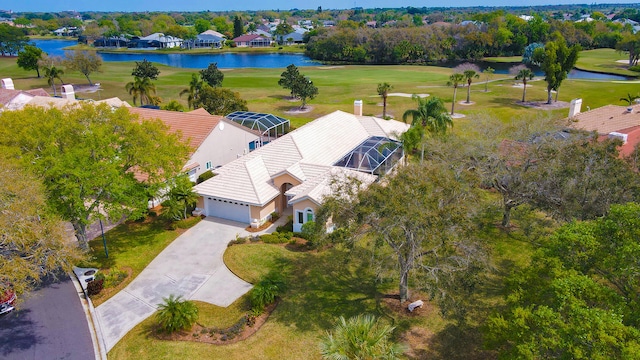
259, 228
202, 334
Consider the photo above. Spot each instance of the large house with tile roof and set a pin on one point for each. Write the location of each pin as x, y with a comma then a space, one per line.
252, 40
214, 140
622, 122
294, 172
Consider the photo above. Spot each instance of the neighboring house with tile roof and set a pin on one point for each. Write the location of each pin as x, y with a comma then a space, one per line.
11, 99
252, 40
622, 122
214, 140
294, 172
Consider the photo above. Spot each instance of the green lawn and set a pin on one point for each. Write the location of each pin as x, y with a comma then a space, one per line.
339, 86
604, 60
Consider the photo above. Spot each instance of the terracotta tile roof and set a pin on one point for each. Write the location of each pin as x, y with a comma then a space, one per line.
607, 119
245, 38
194, 127
38, 92
633, 138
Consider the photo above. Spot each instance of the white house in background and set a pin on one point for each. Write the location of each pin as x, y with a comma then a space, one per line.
214, 140
166, 41
294, 172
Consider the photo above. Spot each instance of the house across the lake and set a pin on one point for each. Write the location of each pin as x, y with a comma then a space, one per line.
293, 173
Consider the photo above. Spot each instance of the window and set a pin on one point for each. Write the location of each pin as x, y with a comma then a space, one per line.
208, 165
300, 217
309, 213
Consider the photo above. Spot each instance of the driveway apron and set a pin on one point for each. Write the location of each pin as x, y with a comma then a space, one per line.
191, 266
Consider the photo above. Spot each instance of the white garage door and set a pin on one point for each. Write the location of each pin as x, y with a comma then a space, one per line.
228, 210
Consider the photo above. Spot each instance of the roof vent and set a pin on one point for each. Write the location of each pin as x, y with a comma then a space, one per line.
617, 135
68, 93
574, 107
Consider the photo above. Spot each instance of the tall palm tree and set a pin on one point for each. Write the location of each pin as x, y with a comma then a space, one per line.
383, 90
195, 85
142, 88
524, 74
360, 337
176, 314
455, 80
431, 114
52, 73
469, 75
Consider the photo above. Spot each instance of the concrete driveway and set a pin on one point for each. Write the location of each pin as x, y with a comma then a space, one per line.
190, 266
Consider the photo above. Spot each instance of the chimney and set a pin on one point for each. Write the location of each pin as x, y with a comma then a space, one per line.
8, 84
574, 107
67, 92
357, 107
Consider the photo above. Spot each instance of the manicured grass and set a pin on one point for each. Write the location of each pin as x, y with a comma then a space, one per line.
339, 86
131, 245
604, 60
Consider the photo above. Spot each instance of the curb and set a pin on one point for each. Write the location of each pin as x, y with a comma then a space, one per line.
97, 339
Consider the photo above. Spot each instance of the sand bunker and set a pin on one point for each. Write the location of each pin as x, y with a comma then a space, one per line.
407, 95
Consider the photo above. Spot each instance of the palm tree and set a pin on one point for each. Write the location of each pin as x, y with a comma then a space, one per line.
431, 114
194, 89
629, 99
524, 74
141, 87
52, 73
488, 72
454, 80
469, 75
383, 90
360, 337
176, 314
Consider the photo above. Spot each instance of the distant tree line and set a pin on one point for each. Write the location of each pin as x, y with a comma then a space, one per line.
490, 34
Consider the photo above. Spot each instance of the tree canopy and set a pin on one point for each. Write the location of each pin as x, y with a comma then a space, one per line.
91, 157
212, 75
29, 58
33, 241
219, 101
86, 62
556, 59
145, 70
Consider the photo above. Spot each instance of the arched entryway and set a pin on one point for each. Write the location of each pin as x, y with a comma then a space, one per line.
283, 198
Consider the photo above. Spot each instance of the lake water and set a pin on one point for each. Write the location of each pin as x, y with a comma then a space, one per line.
273, 60
192, 61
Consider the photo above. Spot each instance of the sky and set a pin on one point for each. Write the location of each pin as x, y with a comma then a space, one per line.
212, 5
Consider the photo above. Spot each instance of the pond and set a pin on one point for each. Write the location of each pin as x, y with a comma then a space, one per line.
192, 61
266, 60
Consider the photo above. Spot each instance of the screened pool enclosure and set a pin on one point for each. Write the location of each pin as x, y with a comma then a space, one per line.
377, 155
269, 126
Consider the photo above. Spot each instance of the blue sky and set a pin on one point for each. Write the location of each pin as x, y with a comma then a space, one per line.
199, 5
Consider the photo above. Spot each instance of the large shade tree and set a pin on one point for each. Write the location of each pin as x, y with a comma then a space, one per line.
427, 236
219, 101
212, 75
94, 161
29, 57
145, 69
556, 59
86, 62
33, 241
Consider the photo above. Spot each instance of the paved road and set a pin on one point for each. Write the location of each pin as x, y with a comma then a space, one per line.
191, 266
49, 324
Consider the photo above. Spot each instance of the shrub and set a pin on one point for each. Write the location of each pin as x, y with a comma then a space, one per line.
288, 227
275, 216
266, 291
205, 176
176, 314
635, 68
276, 237
238, 240
94, 287
115, 277
360, 337
185, 223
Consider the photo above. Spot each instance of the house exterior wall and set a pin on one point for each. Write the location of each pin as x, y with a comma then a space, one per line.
262, 213
221, 147
285, 178
301, 207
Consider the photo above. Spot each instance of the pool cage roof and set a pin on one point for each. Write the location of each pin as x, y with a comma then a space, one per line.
376, 155
266, 124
